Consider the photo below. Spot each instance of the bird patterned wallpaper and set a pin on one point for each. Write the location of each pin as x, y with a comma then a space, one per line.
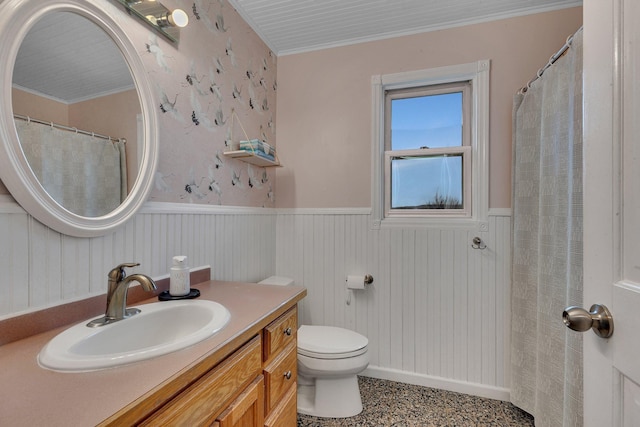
216, 86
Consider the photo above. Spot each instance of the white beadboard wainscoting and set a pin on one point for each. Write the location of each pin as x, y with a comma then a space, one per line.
437, 313
42, 268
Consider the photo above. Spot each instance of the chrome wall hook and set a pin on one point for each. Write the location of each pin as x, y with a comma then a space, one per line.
478, 243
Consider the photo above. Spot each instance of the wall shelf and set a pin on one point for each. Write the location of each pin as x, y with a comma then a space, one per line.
249, 157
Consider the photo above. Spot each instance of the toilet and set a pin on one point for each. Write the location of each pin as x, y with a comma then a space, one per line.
329, 360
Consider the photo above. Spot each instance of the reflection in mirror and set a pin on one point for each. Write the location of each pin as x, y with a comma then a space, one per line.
19, 19
75, 105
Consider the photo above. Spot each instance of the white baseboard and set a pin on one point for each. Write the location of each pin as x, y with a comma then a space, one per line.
474, 389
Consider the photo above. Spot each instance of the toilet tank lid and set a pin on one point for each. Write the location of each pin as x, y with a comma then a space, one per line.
277, 280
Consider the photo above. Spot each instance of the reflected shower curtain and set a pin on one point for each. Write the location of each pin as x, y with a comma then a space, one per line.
86, 175
546, 357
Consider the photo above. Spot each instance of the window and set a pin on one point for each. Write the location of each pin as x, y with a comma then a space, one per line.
427, 151
430, 135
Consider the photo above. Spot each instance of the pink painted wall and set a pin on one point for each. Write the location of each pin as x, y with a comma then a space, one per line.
28, 104
324, 102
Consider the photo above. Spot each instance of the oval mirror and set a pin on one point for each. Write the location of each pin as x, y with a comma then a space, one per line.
79, 129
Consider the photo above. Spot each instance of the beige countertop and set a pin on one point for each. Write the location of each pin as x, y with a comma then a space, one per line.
30, 395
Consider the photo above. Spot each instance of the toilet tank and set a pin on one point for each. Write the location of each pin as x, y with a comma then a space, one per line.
277, 280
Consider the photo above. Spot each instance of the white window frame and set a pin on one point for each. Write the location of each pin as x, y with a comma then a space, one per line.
478, 74
463, 150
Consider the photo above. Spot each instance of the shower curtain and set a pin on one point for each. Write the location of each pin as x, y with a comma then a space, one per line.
546, 357
84, 174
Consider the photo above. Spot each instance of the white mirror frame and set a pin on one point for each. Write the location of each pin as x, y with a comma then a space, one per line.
16, 19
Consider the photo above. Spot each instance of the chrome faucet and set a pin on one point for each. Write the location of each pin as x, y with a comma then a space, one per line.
117, 295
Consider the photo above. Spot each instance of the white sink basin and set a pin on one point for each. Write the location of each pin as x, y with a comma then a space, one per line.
159, 328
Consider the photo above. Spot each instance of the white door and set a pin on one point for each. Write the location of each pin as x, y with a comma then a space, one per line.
612, 209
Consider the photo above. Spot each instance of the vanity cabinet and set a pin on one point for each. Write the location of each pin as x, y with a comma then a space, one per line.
247, 409
244, 375
230, 392
279, 333
254, 386
281, 369
285, 414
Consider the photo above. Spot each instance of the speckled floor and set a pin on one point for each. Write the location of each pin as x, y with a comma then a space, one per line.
388, 403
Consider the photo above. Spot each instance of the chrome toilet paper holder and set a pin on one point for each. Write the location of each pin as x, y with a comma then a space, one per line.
368, 279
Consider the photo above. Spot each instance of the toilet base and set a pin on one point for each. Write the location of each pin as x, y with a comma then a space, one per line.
329, 398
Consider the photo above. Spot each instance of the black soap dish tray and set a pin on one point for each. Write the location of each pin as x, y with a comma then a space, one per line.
166, 296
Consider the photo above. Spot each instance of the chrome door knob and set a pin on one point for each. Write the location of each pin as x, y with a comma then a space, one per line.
597, 318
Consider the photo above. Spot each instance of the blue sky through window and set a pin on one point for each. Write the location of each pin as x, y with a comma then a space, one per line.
432, 121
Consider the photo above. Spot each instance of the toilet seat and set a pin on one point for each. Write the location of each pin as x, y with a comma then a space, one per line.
329, 342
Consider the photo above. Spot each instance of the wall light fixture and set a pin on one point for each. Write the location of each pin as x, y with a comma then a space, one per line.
161, 19
177, 18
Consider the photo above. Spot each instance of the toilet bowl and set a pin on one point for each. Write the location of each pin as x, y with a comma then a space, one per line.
329, 359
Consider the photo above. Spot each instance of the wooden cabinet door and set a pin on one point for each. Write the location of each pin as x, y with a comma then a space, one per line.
199, 404
248, 409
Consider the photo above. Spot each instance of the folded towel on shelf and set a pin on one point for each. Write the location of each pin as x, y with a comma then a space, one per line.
258, 146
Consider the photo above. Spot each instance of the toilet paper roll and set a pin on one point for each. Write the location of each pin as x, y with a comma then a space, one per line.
355, 282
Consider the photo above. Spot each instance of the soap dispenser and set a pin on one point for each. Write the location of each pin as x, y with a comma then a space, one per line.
179, 277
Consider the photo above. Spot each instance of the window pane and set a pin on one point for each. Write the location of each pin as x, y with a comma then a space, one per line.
432, 121
433, 182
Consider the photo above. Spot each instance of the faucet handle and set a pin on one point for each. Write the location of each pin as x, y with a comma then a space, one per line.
117, 274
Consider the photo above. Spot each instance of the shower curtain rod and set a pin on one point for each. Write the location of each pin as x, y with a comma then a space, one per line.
552, 60
70, 129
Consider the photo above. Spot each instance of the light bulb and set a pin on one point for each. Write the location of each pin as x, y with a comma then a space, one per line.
179, 18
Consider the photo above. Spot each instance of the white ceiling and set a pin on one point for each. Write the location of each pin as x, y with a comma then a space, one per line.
293, 26
68, 58
90, 64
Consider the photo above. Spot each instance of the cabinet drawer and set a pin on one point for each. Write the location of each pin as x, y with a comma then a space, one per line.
280, 375
280, 333
285, 413
202, 401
